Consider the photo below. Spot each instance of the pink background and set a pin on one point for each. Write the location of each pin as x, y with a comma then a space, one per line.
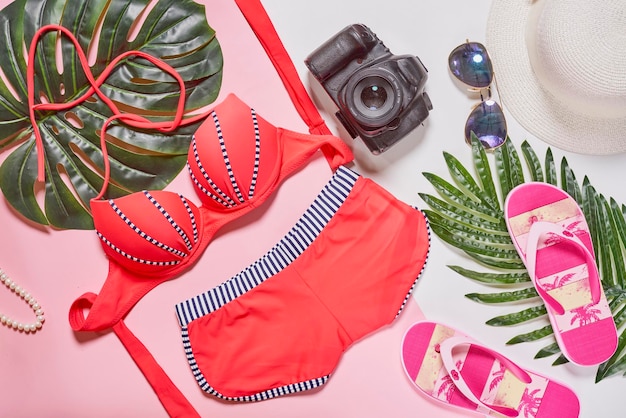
57, 373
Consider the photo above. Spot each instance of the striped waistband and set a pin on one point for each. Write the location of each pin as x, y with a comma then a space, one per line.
294, 243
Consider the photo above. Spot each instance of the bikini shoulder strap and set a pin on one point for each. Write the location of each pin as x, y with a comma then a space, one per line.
264, 29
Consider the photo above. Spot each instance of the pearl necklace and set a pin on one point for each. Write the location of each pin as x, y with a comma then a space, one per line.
23, 294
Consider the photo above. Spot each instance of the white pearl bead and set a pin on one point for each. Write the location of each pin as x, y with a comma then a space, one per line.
27, 297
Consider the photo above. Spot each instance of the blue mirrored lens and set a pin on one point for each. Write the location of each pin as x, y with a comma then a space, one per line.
488, 124
471, 64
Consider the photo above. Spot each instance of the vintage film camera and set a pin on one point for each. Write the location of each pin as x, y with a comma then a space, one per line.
379, 95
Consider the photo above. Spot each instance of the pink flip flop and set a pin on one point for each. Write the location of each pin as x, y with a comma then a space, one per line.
454, 369
552, 237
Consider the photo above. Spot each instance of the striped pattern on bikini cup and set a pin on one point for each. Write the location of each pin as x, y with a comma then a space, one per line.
215, 192
161, 245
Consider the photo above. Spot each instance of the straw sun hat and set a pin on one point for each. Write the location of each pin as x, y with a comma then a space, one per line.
560, 69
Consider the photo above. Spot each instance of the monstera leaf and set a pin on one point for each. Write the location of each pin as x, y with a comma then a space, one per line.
468, 215
175, 31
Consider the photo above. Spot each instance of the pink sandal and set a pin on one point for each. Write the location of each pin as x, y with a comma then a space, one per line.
454, 369
552, 237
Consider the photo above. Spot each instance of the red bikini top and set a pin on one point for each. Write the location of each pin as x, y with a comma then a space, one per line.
236, 160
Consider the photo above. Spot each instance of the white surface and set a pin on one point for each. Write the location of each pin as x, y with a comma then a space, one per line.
431, 30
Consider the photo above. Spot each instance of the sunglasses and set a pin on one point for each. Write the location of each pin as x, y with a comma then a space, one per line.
470, 64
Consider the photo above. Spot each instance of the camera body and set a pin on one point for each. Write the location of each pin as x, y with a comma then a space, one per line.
379, 95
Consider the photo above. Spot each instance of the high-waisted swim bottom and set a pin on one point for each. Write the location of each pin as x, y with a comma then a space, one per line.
280, 326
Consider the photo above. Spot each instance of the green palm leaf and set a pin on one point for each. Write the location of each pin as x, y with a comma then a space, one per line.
175, 31
467, 214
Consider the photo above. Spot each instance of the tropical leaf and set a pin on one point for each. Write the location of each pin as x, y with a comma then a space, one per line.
467, 214
175, 31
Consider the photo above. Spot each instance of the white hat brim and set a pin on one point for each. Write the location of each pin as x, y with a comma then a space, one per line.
522, 95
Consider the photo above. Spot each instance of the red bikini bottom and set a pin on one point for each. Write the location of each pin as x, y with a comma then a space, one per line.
280, 326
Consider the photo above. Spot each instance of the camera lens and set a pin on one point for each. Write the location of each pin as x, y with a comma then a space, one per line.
373, 97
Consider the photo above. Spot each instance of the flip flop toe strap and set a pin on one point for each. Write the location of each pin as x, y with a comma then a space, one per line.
446, 350
539, 229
